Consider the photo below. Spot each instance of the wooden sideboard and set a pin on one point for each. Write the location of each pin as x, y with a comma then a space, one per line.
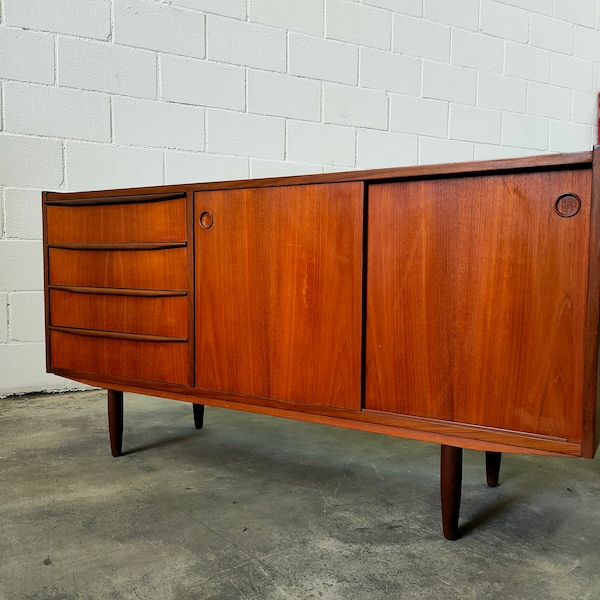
456, 304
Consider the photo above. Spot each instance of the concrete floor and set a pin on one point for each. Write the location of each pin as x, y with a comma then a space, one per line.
256, 507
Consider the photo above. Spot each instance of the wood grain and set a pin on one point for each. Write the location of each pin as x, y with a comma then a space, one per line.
151, 269
152, 361
278, 291
166, 316
476, 301
162, 221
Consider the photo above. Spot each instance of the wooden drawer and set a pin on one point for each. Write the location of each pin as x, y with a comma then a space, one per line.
144, 269
162, 361
163, 221
163, 315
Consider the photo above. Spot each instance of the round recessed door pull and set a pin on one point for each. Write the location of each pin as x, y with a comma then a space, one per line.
567, 205
206, 219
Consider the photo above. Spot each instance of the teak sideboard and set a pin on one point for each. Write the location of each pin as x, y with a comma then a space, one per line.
456, 304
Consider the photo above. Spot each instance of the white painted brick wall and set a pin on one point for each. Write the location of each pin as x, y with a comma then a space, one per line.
117, 93
26, 310
52, 111
307, 16
26, 55
326, 60
202, 83
248, 44
284, 96
160, 124
91, 65
159, 27
347, 105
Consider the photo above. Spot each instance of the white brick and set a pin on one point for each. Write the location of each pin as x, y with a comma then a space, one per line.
582, 12
248, 44
569, 137
3, 318
525, 131
186, 167
26, 56
21, 265
477, 51
306, 16
106, 68
475, 124
537, 6
493, 152
42, 110
587, 43
26, 316
245, 135
159, 27
572, 73
284, 96
504, 21
389, 71
380, 149
459, 13
407, 7
418, 115
228, 8
585, 108
101, 166
551, 34
87, 18
160, 124
421, 38
23, 213
30, 162
321, 144
549, 101
502, 93
527, 62
323, 59
359, 24
446, 82
202, 83
24, 370
345, 105
436, 151
271, 168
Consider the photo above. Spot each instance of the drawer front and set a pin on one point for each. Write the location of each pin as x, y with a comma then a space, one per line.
142, 269
163, 221
165, 316
152, 361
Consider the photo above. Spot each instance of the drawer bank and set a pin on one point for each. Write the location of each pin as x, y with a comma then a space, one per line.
456, 304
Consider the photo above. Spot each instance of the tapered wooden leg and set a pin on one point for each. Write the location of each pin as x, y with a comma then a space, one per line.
115, 421
492, 467
450, 487
198, 415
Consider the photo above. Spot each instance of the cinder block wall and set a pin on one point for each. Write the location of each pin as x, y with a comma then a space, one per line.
109, 93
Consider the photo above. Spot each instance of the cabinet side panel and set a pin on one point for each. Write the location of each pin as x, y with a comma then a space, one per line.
278, 293
476, 301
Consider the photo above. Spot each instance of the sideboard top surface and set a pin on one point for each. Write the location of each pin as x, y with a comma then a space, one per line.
573, 160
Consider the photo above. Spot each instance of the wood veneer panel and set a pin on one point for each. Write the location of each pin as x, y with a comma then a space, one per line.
162, 221
476, 301
153, 361
151, 269
166, 316
278, 290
